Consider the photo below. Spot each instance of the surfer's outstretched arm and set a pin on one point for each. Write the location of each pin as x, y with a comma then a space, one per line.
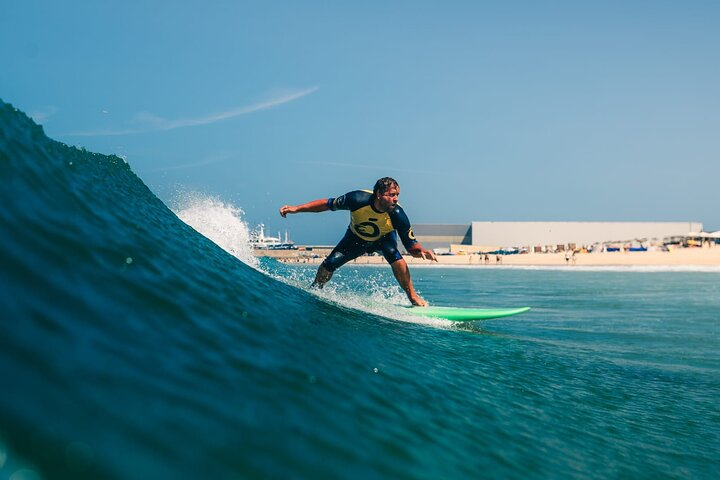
320, 205
402, 275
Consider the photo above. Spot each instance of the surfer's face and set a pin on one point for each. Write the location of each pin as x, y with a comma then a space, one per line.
386, 201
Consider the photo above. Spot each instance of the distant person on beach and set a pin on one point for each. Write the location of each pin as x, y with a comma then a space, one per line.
376, 219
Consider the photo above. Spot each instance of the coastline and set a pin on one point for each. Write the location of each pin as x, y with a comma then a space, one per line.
676, 257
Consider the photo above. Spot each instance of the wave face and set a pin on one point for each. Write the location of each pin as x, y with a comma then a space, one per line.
130, 342
132, 346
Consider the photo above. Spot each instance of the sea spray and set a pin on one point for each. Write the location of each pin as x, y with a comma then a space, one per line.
359, 288
220, 222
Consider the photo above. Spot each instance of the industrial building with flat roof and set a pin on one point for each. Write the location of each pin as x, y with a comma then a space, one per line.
534, 234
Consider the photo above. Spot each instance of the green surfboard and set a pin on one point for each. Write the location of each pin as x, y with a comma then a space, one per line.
465, 314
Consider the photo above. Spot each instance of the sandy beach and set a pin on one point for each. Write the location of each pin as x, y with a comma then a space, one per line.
678, 257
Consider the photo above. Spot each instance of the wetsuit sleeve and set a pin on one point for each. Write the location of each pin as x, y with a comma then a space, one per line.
349, 201
403, 227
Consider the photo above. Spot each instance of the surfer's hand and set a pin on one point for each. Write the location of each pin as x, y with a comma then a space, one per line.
429, 255
285, 209
423, 253
418, 302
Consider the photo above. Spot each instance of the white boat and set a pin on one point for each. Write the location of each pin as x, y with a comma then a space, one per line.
261, 241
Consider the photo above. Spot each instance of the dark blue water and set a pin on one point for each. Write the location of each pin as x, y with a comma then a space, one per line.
134, 347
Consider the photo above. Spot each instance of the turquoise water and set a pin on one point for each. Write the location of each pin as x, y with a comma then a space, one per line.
134, 347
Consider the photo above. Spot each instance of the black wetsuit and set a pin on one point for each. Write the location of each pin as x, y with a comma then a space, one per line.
369, 230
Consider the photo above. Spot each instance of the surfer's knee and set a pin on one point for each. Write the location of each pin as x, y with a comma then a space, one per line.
391, 254
334, 261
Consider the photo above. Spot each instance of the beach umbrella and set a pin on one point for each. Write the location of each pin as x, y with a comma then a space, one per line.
715, 234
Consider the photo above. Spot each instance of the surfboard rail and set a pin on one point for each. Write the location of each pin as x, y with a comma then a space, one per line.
461, 314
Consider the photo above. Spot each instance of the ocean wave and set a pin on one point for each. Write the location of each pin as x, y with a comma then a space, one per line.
142, 342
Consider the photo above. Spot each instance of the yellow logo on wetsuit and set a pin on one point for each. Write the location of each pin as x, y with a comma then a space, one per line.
370, 225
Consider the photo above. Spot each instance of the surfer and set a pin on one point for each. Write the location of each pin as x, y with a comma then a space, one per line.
376, 219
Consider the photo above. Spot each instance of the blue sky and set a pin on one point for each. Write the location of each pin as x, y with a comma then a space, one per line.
506, 110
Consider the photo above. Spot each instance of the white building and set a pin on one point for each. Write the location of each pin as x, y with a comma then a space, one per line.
542, 234
530, 234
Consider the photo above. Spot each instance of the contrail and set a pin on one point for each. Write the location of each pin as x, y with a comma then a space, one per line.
154, 123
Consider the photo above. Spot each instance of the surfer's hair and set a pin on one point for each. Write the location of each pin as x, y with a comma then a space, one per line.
382, 185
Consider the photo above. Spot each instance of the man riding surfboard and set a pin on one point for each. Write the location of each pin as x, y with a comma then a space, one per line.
376, 220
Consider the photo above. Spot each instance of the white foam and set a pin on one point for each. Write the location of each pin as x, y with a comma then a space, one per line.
382, 302
370, 294
220, 222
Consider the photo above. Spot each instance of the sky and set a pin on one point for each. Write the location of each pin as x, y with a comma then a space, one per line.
482, 110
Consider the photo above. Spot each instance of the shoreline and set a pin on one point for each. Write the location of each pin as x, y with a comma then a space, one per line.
673, 258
